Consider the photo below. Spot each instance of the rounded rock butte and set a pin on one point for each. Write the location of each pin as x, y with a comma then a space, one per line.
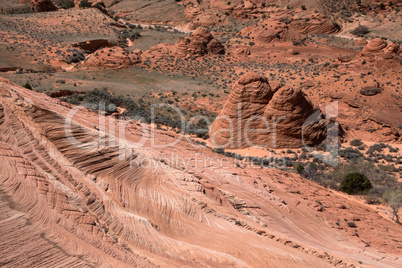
272, 31
201, 42
277, 116
374, 46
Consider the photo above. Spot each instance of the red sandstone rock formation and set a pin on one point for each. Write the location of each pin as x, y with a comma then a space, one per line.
272, 30
201, 42
316, 24
255, 115
93, 45
112, 58
374, 46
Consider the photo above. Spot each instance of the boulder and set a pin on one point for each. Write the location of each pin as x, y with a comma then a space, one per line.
374, 46
371, 91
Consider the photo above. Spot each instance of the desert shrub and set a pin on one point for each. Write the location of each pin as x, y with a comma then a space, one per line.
299, 168
355, 183
303, 7
98, 6
350, 153
67, 4
393, 149
84, 4
75, 57
299, 42
378, 147
362, 147
356, 142
74, 99
220, 151
27, 86
351, 224
360, 30
394, 200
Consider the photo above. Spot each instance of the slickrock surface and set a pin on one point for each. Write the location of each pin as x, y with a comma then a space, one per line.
87, 204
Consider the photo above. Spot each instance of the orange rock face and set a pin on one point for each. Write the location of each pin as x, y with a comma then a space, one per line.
375, 46
256, 115
201, 42
73, 194
317, 24
272, 30
112, 58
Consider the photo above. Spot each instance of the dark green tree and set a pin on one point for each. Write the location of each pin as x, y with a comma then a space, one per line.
356, 183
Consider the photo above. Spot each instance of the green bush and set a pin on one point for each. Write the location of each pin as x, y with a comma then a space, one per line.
84, 4
299, 168
98, 6
356, 142
27, 86
360, 30
355, 183
67, 4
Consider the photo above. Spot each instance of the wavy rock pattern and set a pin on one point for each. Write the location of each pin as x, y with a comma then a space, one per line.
316, 24
80, 197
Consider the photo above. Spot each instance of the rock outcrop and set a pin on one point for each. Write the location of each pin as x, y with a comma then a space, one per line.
112, 58
201, 42
316, 24
374, 46
272, 30
256, 115
379, 47
198, 17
